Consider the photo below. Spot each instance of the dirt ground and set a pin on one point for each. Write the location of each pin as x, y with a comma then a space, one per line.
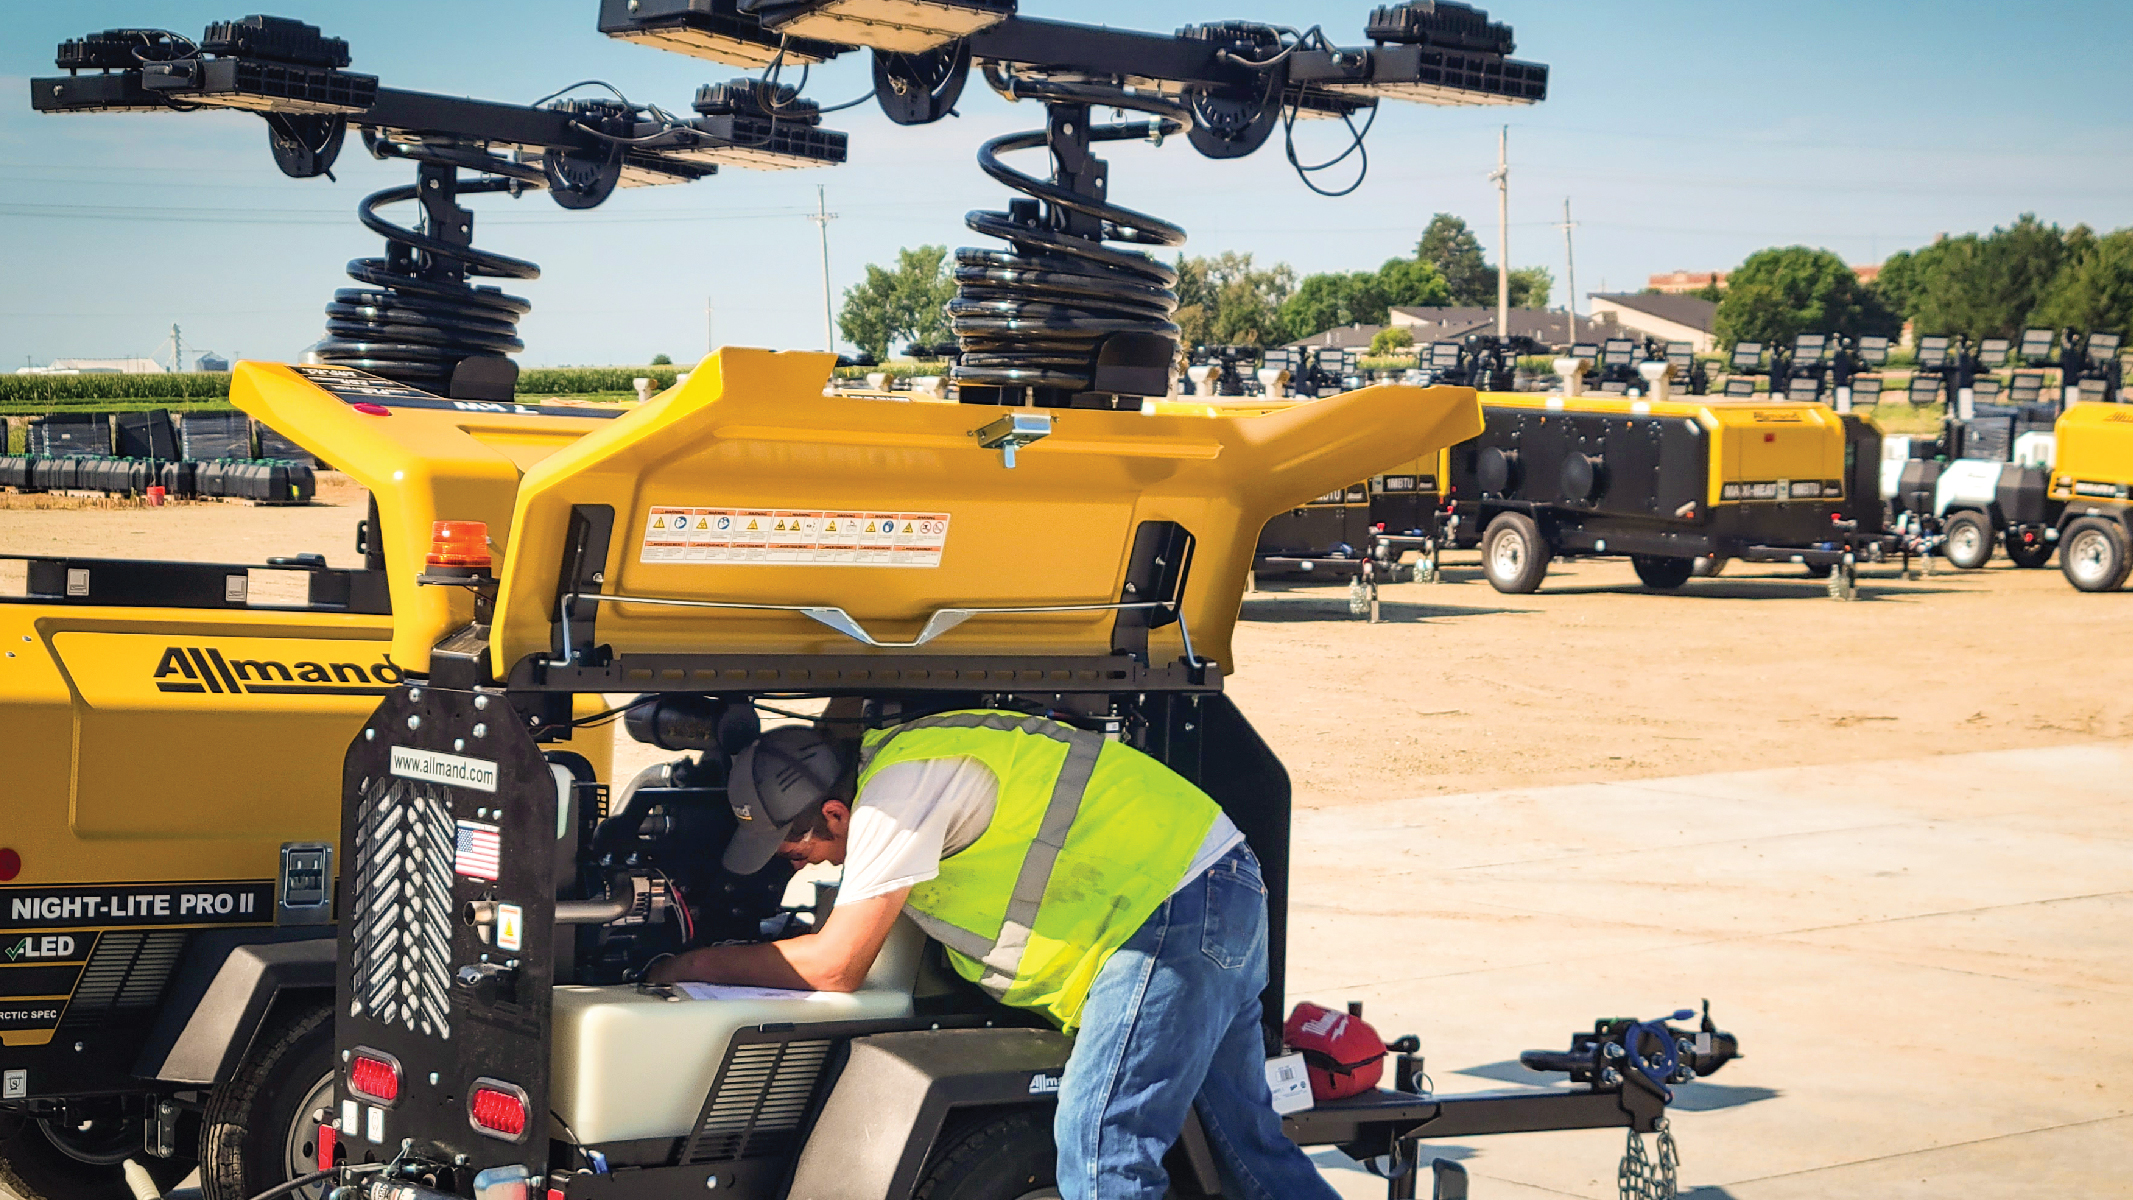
1460, 689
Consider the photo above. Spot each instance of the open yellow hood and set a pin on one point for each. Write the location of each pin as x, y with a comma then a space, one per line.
749, 487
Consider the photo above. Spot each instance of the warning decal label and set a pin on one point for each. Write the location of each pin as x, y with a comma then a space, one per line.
788, 537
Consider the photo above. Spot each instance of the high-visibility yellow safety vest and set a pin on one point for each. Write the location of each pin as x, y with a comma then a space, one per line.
1088, 838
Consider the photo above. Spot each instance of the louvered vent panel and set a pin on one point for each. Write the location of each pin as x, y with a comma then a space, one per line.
401, 920
127, 971
761, 1098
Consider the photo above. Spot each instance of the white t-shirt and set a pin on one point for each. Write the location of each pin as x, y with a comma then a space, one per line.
912, 815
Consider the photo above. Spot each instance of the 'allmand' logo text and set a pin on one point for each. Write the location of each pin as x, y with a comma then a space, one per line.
204, 669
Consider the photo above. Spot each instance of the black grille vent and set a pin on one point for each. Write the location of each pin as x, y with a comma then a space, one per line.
126, 972
756, 1107
402, 914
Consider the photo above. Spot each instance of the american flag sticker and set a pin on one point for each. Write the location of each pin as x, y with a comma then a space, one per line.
477, 851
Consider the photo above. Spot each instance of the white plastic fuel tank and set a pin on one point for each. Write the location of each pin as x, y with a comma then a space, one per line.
2036, 449
1895, 451
1968, 483
631, 1065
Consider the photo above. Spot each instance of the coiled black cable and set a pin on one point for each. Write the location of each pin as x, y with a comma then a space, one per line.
418, 318
1037, 316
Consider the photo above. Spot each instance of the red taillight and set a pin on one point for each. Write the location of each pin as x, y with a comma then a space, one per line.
372, 410
497, 1109
374, 1076
10, 865
326, 1141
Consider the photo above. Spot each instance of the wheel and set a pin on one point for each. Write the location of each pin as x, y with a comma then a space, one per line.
1708, 567
1662, 573
1969, 544
2093, 555
81, 1157
1514, 555
1008, 1157
2028, 555
260, 1131
1819, 570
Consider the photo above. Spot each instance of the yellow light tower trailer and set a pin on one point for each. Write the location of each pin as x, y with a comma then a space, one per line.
746, 539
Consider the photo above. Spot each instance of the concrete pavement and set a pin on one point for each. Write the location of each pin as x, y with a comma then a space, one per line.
1924, 960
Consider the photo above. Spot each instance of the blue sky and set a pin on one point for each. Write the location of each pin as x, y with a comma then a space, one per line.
1685, 134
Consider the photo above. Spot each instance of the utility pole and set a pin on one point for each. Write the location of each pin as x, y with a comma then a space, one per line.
822, 218
1570, 268
1502, 179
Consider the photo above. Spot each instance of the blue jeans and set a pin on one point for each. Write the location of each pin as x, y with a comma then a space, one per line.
1173, 1020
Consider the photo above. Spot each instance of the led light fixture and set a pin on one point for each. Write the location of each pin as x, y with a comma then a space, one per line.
713, 29
1873, 350
896, 26
1444, 355
1804, 387
1585, 351
1617, 352
1808, 348
1682, 355
1747, 356
746, 123
1993, 351
1426, 75
2027, 387
1984, 389
1866, 392
1925, 390
263, 64
1933, 352
2037, 345
1738, 388
2103, 347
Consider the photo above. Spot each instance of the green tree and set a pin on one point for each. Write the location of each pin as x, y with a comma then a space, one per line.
907, 303
2094, 293
1531, 287
1413, 283
1791, 290
1983, 286
1448, 245
661, 360
1226, 300
1330, 301
1391, 340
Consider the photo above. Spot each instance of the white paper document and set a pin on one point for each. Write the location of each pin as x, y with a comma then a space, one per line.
720, 991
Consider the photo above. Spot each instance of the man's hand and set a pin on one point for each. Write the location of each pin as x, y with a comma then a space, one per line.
834, 959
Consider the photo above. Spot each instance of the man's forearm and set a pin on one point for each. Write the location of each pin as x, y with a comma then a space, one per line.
792, 963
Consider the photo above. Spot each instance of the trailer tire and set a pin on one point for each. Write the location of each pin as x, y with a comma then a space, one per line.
1969, 541
1661, 573
2026, 556
1007, 1157
33, 1167
1819, 570
2093, 555
259, 1130
1514, 554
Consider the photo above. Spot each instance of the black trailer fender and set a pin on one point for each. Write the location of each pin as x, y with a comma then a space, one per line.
222, 996
896, 1092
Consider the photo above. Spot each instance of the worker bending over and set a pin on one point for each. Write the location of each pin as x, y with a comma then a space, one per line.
1064, 873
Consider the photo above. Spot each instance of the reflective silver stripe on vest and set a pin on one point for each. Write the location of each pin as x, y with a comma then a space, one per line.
1002, 956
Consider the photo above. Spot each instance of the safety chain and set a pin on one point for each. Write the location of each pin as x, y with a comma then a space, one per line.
1641, 1179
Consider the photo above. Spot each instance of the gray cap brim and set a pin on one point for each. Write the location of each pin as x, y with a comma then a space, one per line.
756, 841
